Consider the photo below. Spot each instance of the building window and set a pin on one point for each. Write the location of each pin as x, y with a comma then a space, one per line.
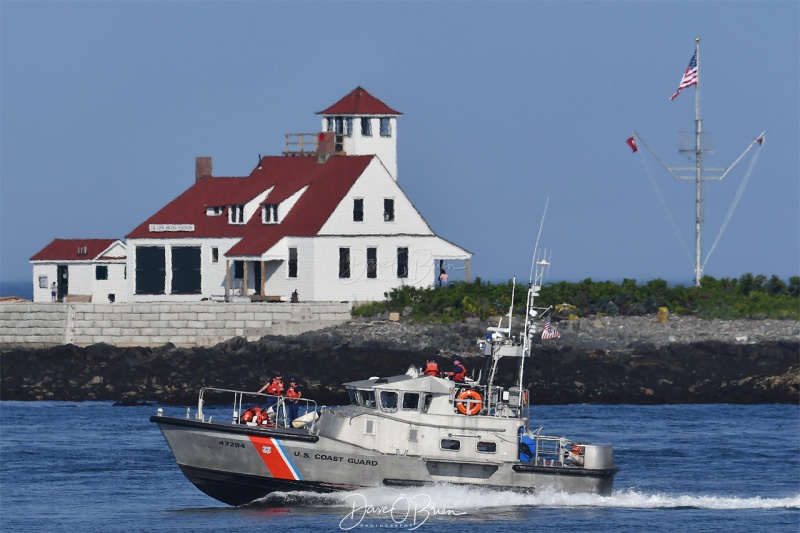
236, 214
343, 125
452, 445
372, 263
42, 282
386, 127
238, 270
292, 262
388, 209
402, 262
215, 210
348, 123
125, 272
366, 127
358, 210
344, 262
214, 254
269, 213
101, 272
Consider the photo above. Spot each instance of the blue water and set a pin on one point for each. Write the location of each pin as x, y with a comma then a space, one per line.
23, 289
92, 467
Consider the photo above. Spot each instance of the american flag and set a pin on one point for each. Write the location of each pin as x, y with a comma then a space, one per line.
689, 77
549, 332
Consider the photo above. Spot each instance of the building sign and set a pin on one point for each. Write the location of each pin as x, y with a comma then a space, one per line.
155, 228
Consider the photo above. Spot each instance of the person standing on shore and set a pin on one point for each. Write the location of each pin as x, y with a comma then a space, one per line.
54, 291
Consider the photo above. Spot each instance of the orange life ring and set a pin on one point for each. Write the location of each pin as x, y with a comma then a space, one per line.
470, 408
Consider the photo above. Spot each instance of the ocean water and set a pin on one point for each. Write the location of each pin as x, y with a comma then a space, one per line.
23, 289
93, 467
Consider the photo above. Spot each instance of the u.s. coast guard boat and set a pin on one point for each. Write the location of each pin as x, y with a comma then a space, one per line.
405, 430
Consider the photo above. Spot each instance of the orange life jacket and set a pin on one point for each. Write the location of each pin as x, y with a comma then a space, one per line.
432, 369
460, 375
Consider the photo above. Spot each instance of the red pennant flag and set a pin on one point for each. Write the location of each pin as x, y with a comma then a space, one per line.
632, 143
760, 140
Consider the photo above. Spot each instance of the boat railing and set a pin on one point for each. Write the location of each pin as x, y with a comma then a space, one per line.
549, 450
278, 407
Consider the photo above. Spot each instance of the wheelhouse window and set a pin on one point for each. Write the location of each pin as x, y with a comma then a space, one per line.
344, 262
100, 272
402, 262
366, 127
214, 254
372, 263
388, 209
367, 398
427, 403
269, 213
358, 210
388, 401
386, 127
354, 398
452, 445
236, 214
411, 400
292, 262
486, 447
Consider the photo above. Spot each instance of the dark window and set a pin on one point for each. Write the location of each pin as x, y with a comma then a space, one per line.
487, 447
101, 272
386, 129
451, 444
354, 397
236, 214
186, 270
344, 262
358, 210
269, 214
292, 262
328, 124
372, 263
150, 270
339, 124
366, 127
214, 254
348, 123
368, 398
238, 270
427, 403
410, 400
388, 209
402, 262
388, 401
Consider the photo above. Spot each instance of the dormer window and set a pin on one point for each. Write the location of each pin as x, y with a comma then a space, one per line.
236, 214
214, 210
269, 213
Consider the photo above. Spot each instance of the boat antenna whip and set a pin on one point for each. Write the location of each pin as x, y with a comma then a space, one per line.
532, 288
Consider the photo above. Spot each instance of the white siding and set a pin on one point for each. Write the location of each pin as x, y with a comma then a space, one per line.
43, 269
383, 147
373, 186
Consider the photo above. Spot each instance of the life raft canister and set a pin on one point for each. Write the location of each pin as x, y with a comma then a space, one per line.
470, 408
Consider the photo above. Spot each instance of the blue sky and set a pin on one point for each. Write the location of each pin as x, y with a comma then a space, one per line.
104, 106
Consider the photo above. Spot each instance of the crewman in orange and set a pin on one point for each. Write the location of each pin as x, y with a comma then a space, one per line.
459, 372
274, 389
292, 405
431, 368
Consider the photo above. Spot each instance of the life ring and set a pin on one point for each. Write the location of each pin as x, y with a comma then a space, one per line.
254, 414
470, 408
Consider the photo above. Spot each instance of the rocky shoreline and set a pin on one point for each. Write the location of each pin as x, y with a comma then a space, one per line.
635, 360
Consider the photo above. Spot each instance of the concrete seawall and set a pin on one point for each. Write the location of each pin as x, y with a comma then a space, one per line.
42, 325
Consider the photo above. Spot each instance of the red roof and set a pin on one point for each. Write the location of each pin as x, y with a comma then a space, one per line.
327, 184
70, 250
359, 102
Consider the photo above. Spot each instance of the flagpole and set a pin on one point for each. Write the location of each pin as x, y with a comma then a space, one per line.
698, 128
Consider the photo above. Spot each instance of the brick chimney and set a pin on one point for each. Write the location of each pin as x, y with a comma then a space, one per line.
326, 145
202, 168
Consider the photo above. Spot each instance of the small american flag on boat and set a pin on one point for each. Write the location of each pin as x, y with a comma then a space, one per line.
549, 332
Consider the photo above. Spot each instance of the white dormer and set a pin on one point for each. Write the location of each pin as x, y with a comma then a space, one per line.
368, 126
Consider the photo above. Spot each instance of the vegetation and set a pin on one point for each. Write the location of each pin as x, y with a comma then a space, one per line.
750, 296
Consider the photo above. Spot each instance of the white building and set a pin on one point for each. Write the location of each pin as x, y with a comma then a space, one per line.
325, 221
83, 270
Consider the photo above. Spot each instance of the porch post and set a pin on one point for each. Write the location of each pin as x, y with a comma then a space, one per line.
227, 279
263, 280
244, 289
467, 261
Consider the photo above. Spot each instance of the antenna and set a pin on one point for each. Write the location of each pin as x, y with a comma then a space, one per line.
698, 168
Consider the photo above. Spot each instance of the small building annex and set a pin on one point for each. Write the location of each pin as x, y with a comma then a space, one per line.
87, 270
324, 221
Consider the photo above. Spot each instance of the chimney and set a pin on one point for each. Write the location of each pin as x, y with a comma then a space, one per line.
326, 145
202, 168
